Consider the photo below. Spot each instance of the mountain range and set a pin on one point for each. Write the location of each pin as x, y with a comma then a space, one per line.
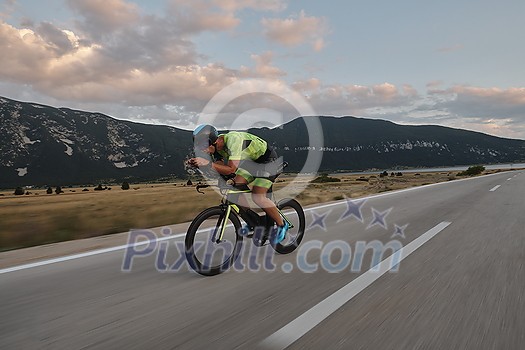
43, 145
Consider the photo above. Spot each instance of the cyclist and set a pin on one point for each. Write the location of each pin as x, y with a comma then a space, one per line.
248, 157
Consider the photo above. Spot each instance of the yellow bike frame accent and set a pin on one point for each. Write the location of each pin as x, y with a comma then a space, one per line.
228, 211
223, 227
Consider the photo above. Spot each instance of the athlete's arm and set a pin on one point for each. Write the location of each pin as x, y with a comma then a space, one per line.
226, 169
219, 166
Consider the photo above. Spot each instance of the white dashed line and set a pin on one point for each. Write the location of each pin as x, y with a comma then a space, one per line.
495, 188
311, 318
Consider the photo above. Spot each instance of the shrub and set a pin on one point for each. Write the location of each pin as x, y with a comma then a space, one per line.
19, 191
125, 185
100, 188
49, 190
472, 171
325, 178
58, 190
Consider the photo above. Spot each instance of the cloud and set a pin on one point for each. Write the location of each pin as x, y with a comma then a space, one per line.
355, 99
61, 41
117, 55
58, 63
104, 16
260, 5
155, 71
490, 110
495, 103
25, 54
493, 110
308, 86
195, 16
452, 48
434, 85
7, 9
263, 67
296, 30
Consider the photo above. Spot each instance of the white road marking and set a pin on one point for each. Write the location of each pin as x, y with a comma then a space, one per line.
495, 188
123, 247
311, 318
510, 178
86, 254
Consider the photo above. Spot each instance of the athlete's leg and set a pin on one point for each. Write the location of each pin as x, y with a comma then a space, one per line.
243, 201
266, 204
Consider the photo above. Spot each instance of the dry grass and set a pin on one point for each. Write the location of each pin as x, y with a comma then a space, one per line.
360, 186
39, 218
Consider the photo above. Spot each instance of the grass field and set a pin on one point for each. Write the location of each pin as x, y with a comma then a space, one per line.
39, 218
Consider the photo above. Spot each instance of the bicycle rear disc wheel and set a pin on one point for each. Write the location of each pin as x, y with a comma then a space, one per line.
204, 253
295, 215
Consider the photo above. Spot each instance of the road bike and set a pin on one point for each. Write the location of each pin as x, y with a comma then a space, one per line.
215, 237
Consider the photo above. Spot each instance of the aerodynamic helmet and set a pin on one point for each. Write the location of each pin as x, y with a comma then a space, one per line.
204, 135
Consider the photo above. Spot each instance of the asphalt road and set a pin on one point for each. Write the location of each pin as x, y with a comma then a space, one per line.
457, 282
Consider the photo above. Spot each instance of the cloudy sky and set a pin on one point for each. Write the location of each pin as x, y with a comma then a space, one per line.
456, 63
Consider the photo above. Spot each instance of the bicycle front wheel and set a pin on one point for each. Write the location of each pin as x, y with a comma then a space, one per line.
208, 251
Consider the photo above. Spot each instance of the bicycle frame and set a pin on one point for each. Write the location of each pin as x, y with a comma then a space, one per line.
239, 211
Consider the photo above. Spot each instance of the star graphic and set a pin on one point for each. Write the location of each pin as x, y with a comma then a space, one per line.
379, 218
399, 231
318, 220
353, 208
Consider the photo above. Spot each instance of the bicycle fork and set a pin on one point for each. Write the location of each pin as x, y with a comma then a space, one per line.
221, 224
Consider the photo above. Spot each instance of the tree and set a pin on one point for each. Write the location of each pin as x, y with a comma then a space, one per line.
49, 190
58, 190
125, 185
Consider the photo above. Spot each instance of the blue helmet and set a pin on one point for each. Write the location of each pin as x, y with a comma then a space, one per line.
204, 135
